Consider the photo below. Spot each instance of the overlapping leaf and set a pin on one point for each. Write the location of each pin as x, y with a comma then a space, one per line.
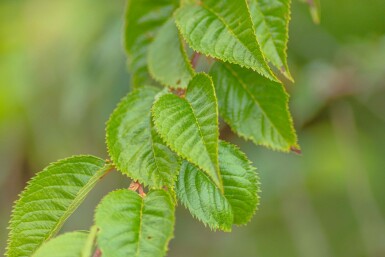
134, 226
167, 59
254, 107
73, 244
271, 21
203, 198
240, 182
207, 203
143, 19
224, 30
135, 147
50, 197
189, 125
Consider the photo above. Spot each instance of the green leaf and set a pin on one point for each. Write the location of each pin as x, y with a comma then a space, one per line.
135, 147
89, 245
207, 203
167, 59
49, 199
240, 182
204, 200
271, 21
71, 244
254, 107
143, 19
189, 125
224, 30
133, 226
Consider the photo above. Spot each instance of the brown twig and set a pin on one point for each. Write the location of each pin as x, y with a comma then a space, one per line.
137, 186
194, 59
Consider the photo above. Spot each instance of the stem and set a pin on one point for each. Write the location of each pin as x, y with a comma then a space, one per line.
194, 59
137, 186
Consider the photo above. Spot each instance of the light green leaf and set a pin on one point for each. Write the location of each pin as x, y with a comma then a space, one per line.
271, 21
207, 203
189, 125
143, 19
254, 107
224, 30
89, 245
135, 147
167, 59
49, 199
133, 226
67, 245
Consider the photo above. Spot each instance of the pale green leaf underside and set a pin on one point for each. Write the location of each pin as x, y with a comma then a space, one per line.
167, 59
255, 108
132, 226
271, 22
67, 245
133, 144
224, 30
49, 199
189, 125
143, 19
207, 203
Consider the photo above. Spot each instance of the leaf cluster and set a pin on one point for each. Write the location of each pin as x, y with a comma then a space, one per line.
193, 63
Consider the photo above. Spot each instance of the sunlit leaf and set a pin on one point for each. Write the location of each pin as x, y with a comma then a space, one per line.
224, 30
71, 244
189, 124
134, 226
49, 199
271, 21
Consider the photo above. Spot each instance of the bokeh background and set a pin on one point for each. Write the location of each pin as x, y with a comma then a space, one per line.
63, 69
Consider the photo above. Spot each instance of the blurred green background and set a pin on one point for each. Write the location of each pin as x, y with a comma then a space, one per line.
63, 69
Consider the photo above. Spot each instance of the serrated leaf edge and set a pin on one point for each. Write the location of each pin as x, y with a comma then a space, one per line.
128, 173
77, 200
273, 76
249, 138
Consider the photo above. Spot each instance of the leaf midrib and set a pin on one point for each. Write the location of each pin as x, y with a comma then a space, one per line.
243, 84
201, 134
75, 203
230, 30
270, 34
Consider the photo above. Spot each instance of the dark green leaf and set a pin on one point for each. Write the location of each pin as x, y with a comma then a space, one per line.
167, 59
255, 108
143, 19
207, 203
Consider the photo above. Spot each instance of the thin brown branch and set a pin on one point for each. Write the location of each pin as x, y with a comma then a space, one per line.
194, 59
